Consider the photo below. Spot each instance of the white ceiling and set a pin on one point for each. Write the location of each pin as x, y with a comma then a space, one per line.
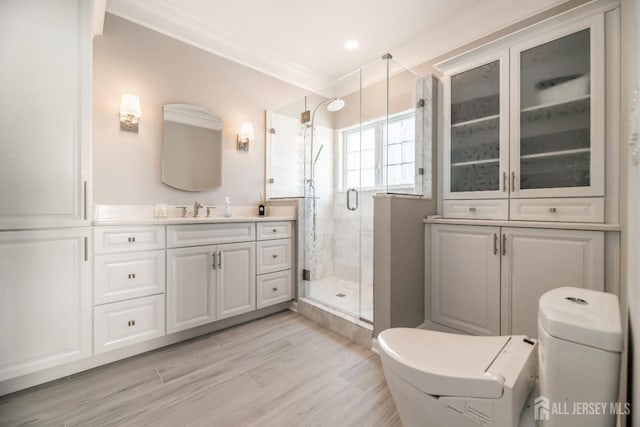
302, 41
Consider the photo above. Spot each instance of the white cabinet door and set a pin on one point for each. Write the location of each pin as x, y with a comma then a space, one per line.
45, 299
45, 126
536, 261
558, 112
476, 128
465, 285
236, 279
191, 292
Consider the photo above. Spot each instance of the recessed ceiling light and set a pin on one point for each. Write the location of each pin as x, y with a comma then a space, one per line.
352, 44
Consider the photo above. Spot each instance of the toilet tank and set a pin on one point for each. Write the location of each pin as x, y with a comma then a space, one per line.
579, 346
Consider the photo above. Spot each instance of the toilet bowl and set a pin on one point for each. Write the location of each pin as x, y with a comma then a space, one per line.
441, 379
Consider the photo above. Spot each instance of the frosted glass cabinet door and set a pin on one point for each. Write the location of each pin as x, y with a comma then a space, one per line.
558, 140
476, 154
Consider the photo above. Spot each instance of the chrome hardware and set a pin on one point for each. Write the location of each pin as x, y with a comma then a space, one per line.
274, 230
196, 209
131, 239
553, 210
504, 182
86, 249
274, 289
220, 259
513, 181
577, 300
132, 276
131, 323
472, 209
209, 208
214, 261
504, 244
349, 199
275, 256
495, 244
183, 213
84, 198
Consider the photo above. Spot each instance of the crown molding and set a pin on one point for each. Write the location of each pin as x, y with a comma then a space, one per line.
168, 19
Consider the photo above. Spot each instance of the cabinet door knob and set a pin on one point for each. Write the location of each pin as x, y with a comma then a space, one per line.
275, 256
131, 323
553, 210
275, 289
274, 230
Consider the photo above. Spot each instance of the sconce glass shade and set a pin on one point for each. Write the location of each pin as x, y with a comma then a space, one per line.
130, 112
246, 134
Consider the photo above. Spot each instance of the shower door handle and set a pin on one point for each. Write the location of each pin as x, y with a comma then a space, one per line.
349, 191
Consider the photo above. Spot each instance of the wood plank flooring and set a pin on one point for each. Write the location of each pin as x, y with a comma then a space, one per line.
282, 370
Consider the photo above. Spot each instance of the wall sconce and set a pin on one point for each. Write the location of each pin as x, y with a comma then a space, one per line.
246, 134
129, 113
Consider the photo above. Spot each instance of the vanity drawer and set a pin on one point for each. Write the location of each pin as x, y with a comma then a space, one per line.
128, 275
210, 234
274, 230
107, 240
476, 209
567, 210
124, 323
274, 288
273, 255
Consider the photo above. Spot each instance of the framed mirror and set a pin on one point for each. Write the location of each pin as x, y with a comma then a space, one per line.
192, 148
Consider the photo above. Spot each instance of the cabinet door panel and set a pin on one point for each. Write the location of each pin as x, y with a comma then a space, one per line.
537, 261
45, 299
236, 284
191, 296
45, 100
465, 285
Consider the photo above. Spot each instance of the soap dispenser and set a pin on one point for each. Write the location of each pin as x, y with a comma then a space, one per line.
227, 208
261, 206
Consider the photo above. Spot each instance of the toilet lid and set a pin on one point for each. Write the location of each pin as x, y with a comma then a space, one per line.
443, 364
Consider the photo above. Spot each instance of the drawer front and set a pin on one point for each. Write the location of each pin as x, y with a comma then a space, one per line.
274, 230
476, 209
129, 275
565, 210
274, 288
124, 323
108, 240
209, 234
273, 255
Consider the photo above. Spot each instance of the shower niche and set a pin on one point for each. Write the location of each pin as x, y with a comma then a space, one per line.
333, 150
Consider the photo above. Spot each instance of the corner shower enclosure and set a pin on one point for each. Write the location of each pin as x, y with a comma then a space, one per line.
334, 151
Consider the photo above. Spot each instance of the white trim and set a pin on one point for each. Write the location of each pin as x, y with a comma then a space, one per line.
191, 115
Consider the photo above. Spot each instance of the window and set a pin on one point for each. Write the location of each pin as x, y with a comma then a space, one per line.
379, 157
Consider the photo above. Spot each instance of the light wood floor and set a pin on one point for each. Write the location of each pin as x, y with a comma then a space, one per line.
282, 370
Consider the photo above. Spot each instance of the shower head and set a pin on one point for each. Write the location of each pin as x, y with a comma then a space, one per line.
335, 105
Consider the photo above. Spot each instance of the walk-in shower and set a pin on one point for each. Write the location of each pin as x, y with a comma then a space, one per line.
334, 160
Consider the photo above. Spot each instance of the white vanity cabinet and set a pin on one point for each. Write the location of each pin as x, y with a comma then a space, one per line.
487, 280
275, 263
209, 282
128, 286
45, 299
45, 97
524, 120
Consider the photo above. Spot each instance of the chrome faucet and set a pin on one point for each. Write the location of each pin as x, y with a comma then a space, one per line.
196, 208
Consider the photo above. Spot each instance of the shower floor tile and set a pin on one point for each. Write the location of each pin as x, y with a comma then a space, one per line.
343, 295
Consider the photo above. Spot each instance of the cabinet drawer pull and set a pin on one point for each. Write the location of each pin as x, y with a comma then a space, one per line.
495, 244
553, 210
472, 209
131, 323
131, 239
504, 244
131, 275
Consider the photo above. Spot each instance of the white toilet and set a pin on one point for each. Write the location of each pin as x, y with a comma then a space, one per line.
447, 380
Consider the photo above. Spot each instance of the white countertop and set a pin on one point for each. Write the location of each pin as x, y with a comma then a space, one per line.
106, 215
592, 226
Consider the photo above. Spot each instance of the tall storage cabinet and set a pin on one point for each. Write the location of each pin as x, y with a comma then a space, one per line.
45, 131
529, 136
